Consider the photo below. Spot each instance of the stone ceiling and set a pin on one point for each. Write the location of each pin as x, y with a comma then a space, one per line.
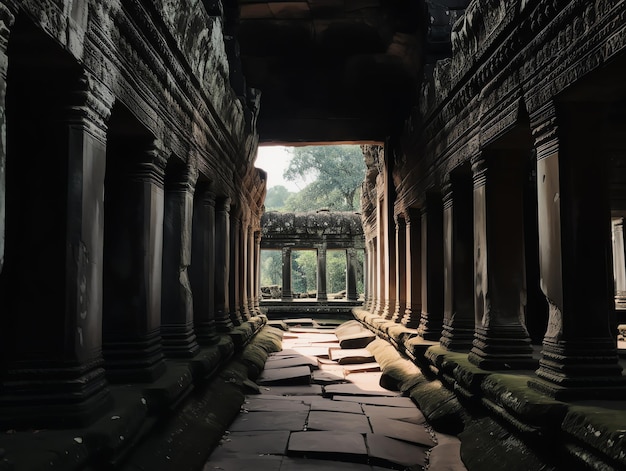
332, 70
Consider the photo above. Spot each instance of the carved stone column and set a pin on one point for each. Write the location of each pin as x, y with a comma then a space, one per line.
366, 278
390, 257
501, 339
51, 349
351, 270
579, 357
458, 322
257, 272
379, 307
287, 295
619, 262
202, 269
431, 322
244, 269
322, 295
235, 269
252, 260
134, 202
222, 265
401, 265
413, 270
177, 329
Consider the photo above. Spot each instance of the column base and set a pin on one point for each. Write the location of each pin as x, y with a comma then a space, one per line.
502, 348
179, 341
584, 369
134, 361
235, 317
411, 319
398, 313
223, 325
457, 335
53, 396
206, 334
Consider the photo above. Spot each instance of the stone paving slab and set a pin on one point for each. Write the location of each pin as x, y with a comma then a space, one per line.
406, 431
303, 464
305, 390
253, 421
263, 443
327, 377
361, 367
337, 406
350, 356
446, 456
301, 360
328, 420
407, 414
290, 376
377, 401
385, 450
251, 463
261, 404
340, 443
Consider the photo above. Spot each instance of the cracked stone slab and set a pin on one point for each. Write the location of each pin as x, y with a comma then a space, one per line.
328, 443
378, 401
327, 377
287, 376
406, 431
350, 356
253, 421
328, 420
406, 414
362, 367
447, 456
251, 463
300, 360
336, 406
263, 443
383, 449
355, 389
260, 404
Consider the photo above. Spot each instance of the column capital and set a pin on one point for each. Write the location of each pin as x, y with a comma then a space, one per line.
8, 12
543, 122
223, 204
90, 106
182, 179
479, 169
204, 190
447, 190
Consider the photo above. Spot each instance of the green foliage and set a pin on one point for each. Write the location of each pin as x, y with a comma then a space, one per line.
303, 271
338, 172
276, 197
271, 267
335, 271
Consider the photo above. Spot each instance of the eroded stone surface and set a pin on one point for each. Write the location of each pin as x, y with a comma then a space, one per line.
253, 421
328, 420
388, 450
326, 442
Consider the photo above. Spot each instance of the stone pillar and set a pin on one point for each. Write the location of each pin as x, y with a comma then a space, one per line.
401, 266
458, 322
322, 295
366, 278
244, 270
287, 295
380, 260
51, 363
235, 270
501, 339
579, 357
222, 265
134, 203
390, 257
431, 321
177, 329
351, 270
257, 272
252, 260
619, 262
413, 271
202, 269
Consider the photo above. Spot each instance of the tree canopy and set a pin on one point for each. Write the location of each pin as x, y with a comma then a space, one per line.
338, 172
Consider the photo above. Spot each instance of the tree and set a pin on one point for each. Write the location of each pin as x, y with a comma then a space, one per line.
276, 197
338, 172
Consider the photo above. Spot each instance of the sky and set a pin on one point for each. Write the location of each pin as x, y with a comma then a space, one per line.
275, 160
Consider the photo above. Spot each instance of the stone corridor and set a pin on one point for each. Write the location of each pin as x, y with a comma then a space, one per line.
321, 406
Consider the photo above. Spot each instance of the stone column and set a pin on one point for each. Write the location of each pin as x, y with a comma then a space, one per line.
431, 321
579, 357
51, 363
202, 269
501, 339
134, 203
222, 265
366, 278
351, 270
287, 295
619, 262
177, 329
458, 322
380, 260
257, 272
244, 269
390, 257
413, 270
235, 270
252, 260
401, 266
322, 295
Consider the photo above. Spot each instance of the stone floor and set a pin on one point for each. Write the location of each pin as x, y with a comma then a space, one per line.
321, 407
